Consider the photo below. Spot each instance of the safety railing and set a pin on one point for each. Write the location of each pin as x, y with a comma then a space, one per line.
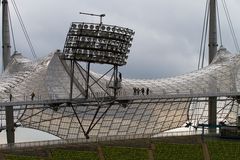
53, 143
28, 97
126, 94
191, 93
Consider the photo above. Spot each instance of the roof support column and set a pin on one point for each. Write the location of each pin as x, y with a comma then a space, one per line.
10, 125
6, 46
6, 58
212, 104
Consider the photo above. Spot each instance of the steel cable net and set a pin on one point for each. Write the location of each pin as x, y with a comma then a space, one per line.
169, 103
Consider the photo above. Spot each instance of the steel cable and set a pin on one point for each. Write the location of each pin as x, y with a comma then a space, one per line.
204, 35
219, 25
24, 29
230, 25
11, 26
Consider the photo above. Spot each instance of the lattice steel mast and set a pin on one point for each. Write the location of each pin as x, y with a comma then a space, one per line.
212, 111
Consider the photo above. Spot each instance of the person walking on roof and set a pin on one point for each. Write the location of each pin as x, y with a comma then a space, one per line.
10, 97
120, 76
32, 96
142, 91
147, 91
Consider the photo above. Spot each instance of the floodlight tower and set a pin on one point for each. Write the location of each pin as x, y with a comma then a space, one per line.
212, 103
97, 43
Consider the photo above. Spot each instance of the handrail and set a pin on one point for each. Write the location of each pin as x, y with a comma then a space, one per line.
52, 143
123, 96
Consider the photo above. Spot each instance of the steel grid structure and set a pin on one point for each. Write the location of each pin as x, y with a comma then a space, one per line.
169, 104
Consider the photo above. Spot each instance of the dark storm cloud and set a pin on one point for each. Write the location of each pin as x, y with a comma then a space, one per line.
167, 35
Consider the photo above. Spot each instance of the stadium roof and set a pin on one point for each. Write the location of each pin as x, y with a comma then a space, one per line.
169, 104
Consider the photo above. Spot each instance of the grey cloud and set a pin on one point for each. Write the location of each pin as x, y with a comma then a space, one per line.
167, 36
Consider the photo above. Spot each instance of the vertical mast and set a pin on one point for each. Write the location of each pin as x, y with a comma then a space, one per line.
212, 31
6, 58
5, 35
212, 103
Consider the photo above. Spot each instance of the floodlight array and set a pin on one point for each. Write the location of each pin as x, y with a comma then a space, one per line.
98, 43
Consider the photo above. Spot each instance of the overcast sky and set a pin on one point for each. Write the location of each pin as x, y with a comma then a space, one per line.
167, 32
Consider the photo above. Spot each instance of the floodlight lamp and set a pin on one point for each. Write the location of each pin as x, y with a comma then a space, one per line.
80, 26
74, 26
91, 27
75, 38
103, 28
118, 30
107, 44
94, 39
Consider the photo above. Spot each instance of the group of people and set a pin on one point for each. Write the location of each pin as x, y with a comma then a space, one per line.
138, 91
32, 96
